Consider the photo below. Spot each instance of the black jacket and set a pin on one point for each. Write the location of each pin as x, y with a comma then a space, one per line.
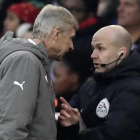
111, 107
136, 45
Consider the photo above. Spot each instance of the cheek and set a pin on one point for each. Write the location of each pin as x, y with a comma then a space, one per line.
136, 15
132, 13
62, 85
104, 57
65, 45
62, 45
14, 26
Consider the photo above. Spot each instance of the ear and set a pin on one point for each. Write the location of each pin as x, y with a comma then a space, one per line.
56, 33
122, 52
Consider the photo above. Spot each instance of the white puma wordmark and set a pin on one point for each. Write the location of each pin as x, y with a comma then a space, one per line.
21, 85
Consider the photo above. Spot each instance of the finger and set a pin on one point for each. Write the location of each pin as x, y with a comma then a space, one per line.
64, 106
64, 114
65, 102
75, 110
61, 118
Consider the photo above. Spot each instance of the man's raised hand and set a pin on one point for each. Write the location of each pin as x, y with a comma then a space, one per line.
68, 115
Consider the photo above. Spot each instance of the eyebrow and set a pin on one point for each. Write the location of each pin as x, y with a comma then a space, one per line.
98, 44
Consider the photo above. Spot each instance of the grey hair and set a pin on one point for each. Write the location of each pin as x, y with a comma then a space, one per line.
51, 17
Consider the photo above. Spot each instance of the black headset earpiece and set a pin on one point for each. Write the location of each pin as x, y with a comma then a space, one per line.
121, 54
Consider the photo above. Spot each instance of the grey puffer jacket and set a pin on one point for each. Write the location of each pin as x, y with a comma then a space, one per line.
26, 95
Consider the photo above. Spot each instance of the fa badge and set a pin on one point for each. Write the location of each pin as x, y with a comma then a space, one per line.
102, 108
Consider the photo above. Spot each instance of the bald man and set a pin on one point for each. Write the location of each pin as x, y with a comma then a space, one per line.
109, 105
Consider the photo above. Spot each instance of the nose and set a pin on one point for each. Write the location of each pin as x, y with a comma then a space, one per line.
94, 54
120, 7
6, 22
71, 47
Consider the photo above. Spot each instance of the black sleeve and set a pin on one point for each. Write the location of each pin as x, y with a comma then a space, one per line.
67, 133
122, 122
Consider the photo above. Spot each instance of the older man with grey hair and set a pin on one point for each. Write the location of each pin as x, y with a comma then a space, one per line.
26, 94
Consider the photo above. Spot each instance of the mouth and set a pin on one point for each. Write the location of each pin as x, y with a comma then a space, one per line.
64, 53
96, 65
67, 51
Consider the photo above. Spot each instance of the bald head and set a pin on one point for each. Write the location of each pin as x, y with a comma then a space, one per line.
111, 45
119, 37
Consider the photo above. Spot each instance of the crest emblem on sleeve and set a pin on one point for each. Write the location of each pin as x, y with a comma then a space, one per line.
102, 108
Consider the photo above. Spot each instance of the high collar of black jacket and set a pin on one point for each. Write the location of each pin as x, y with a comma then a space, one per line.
127, 68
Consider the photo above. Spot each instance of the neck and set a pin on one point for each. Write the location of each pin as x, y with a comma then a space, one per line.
48, 46
134, 33
37, 41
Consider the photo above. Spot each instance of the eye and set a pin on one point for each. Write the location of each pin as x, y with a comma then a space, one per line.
100, 48
92, 48
11, 18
